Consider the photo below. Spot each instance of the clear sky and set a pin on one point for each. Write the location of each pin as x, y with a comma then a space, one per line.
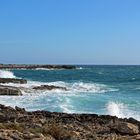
70, 31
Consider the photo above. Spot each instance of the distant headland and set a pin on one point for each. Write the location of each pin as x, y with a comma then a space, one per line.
35, 66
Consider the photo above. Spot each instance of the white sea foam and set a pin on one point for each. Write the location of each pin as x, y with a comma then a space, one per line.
79, 68
66, 106
76, 87
6, 74
50, 69
121, 110
115, 109
44, 69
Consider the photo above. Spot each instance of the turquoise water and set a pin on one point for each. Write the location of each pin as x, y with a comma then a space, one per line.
113, 90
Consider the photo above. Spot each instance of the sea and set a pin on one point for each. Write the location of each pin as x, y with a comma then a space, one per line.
92, 89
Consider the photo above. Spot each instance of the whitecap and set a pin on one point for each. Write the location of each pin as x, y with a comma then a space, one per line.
121, 110
79, 68
6, 74
72, 88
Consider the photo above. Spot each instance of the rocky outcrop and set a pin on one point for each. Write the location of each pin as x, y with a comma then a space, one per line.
127, 128
12, 80
9, 90
23, 66
19, 124
49, 87
6, 134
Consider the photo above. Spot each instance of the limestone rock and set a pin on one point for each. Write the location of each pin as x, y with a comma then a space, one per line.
12, 80
9, 90
127, 128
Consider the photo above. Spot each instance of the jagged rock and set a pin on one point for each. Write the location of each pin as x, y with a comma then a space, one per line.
9, 90
38, 125
12, 80
49, 87
16, 135
127, 128
22, 110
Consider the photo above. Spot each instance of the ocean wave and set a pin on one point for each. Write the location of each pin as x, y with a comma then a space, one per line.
45, 69
78, 87
6, 74
121, 110
75, 87
66, 106
79, 68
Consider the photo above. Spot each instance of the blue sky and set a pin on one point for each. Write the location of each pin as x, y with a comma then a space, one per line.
70, 31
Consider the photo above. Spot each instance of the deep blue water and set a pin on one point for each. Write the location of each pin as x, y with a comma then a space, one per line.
113, 90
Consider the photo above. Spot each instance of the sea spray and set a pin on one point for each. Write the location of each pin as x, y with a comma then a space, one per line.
121, 110
76, 87
6, 74
115, 109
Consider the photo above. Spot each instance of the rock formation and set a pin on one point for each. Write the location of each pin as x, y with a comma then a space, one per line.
9, 90
49, 87
12, 80
19, 124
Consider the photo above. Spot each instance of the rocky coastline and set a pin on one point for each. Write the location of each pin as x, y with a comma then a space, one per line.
32, 66
10, 91
12, 80
18, 124
16, 91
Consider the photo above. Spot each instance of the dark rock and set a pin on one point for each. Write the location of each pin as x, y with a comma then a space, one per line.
127, 128
17, 123
8, 90
49, 87
22, 110
12, 80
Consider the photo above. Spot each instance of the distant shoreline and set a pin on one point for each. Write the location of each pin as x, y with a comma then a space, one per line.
35, 66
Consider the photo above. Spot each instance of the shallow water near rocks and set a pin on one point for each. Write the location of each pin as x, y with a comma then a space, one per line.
113, 90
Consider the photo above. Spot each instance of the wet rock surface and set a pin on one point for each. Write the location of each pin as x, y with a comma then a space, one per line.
24, 66
49, 87
19, 124
9, 90
12, 80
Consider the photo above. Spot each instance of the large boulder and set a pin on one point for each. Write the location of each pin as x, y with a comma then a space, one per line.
9, 90
12, 80
6, 134
127, 128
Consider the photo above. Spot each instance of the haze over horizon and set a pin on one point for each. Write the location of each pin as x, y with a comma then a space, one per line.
70, 32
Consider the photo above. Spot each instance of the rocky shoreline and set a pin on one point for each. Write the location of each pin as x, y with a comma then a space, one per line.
10, 91
12, 80
16, 91
18, 124
25, 66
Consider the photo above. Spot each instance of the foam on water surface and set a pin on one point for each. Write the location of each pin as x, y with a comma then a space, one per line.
121, 110
101, 90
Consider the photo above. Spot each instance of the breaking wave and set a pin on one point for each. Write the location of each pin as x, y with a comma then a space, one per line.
46, 69
6, 74
76, 87
121, 110
79, 68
